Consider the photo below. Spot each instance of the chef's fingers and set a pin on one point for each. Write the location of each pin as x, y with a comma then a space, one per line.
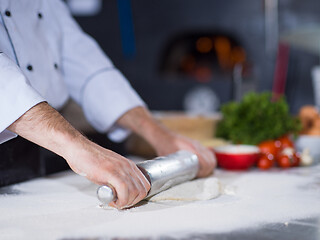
206, 159
206, 166
122, 188
104, 167
210, 158
144, 183
209, 168
119, 176
135, 199
127, 194
132, 188
143, 179
141, 184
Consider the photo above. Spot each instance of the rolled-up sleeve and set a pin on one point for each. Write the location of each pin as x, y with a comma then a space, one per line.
16, 96
92, 79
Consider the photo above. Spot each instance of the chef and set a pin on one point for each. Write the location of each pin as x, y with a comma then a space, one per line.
45, 59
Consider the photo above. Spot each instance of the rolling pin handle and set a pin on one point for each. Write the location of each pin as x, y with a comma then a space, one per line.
106, 194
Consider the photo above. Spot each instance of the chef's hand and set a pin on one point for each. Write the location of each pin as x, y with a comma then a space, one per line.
47, 128
140, 121
103, 166
174, 142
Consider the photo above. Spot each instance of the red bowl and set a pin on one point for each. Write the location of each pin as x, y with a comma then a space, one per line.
237, 157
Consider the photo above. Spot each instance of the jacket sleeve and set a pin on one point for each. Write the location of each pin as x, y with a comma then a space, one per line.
93, 81
16, 96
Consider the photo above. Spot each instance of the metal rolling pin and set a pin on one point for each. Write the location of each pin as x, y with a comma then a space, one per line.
161, 172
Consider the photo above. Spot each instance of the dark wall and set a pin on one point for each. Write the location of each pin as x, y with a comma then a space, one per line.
155, 23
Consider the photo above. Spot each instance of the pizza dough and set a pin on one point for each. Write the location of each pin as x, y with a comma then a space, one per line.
199, 189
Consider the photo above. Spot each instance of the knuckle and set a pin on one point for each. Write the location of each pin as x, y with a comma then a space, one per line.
128, 164
141, 194
143, 190
131, 163
148, 187
146, 191
135, 192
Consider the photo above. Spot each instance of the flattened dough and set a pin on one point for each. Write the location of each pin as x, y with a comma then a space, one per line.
199, 189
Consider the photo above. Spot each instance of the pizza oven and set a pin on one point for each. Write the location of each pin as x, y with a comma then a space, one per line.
202, 57
209, 60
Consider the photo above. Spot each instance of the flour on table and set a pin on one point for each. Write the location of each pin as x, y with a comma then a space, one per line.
63, 206
199, 189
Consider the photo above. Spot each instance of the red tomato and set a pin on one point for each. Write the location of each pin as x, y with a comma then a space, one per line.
264, 162
284, 161
284, 142
268, 147
296, 160
288, 158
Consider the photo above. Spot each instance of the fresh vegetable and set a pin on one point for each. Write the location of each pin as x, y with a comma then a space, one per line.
268, 148
269, 151
284, 162
305, 158
280, 151
264, 162
284, 142
255, 119
288, 158
287, 151
296, 160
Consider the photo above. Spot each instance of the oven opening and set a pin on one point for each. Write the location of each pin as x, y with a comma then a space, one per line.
203, 57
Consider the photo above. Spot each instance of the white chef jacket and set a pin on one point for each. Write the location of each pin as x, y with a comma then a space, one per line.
45, 56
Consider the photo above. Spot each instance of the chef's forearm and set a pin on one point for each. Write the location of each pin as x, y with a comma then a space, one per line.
140, 121
44, 126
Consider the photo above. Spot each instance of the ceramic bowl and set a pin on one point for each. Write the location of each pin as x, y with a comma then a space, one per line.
237, 157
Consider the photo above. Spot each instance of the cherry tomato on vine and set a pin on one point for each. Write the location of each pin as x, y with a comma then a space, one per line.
284, 142
284, 161
296, 160
268, 147
264, 162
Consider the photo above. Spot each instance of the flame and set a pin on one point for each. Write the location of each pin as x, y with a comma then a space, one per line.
204, 44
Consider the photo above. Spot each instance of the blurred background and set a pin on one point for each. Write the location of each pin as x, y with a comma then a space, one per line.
190, 56
174, 52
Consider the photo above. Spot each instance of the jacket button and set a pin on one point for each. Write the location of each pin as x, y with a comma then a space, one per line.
40, 15
8, 13
29, 67
56, 66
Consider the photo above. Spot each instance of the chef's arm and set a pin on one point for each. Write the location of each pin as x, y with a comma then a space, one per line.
46, 127
164, 141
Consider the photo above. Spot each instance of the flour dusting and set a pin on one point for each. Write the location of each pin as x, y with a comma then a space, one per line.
65, 206
195, 190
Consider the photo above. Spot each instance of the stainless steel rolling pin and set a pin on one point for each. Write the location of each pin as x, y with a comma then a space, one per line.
161, 172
